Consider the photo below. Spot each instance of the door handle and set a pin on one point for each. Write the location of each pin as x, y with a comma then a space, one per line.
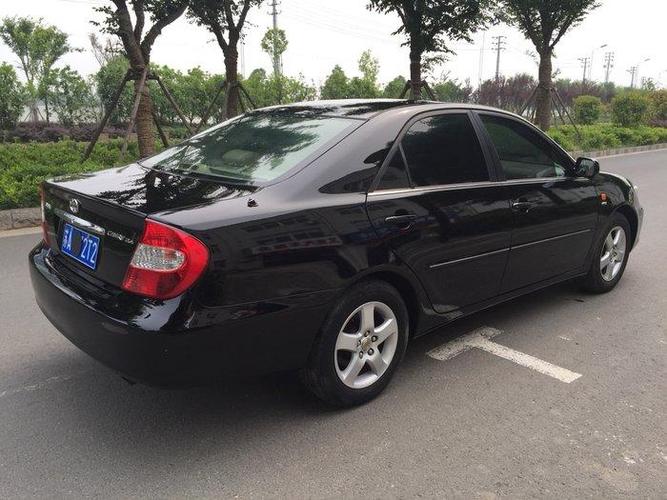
403, 221
521, 205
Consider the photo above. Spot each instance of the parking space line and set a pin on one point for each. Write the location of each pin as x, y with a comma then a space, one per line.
480, 339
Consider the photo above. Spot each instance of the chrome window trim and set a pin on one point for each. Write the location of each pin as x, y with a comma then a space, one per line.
467, 185
78, 221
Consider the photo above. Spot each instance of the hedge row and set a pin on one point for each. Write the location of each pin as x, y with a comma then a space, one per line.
606, 136
24, 166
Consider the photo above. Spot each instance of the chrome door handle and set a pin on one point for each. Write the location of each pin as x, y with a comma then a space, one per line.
403, 220
521, 206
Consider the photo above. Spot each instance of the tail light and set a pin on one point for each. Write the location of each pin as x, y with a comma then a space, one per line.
166, 262
42, 205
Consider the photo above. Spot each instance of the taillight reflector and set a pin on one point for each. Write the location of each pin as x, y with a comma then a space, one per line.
165, 263
42, 204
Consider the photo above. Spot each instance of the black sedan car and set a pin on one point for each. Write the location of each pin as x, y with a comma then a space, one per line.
322, 237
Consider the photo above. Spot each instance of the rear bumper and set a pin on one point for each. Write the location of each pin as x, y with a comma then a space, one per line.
179, 349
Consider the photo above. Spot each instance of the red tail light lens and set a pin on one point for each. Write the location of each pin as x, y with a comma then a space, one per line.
166, 262
42, 204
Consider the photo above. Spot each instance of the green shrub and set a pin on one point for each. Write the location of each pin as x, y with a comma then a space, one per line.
606, 136
24, 166
587, 109
659, 105
630, 109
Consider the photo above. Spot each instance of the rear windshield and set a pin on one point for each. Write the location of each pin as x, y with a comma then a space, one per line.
257, 147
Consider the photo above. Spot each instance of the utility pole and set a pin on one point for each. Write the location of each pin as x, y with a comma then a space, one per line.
633, 73
499, 46
584, 62
276, 58
608, 64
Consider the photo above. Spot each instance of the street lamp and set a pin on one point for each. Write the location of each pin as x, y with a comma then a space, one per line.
590, 69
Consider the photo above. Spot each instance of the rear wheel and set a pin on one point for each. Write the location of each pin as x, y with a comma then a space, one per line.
610, 256
360, 346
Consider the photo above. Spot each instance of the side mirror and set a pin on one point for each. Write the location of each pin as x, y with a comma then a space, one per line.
587, 167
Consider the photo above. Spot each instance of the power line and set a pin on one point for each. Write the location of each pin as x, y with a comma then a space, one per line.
499, 46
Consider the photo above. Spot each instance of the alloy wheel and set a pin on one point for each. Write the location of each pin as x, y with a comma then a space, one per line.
366, 345
613, 253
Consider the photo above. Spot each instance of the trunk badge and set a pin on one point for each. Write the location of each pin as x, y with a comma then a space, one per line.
74, 205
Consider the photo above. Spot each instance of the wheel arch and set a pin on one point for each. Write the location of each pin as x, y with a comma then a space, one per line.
629, 213
407, 287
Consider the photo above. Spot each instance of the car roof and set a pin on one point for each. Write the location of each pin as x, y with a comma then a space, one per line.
367, 108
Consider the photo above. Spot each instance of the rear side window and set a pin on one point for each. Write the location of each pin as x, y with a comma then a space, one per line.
395, 175
444, 149
522, 152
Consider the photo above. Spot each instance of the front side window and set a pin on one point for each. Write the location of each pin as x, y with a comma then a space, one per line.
444, 149
522, 152
257, 147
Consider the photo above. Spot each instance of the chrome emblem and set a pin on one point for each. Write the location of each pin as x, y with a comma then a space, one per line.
74, 205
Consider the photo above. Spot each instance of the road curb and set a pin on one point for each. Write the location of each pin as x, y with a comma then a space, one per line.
18, 218
619, 151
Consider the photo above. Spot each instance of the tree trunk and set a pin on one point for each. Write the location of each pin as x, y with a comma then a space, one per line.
144, 123
232, 79
415, 75
543, 93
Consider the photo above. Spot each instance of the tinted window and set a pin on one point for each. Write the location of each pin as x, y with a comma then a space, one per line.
444, 149
395, 175
259, 146
523, 153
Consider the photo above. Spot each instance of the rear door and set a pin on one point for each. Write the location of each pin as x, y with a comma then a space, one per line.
437, 205
554, 211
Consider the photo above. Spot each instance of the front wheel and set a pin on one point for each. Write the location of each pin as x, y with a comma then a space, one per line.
610, 256
360, 345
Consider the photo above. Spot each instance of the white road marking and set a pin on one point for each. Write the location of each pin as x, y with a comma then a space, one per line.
480, 339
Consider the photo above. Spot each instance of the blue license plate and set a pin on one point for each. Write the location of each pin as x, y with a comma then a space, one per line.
80, 245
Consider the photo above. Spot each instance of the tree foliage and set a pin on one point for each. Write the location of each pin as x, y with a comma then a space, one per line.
71, 97
274, 43
510, 93
38, 48
336, 86
545, 23
631, 109
138, 41
225, 20
394, 88
587, 109
428, 26
12, 96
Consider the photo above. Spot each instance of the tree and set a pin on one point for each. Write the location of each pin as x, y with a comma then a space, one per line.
369, 66
11, 97
428, 25
225, 19
138, 44
71, 96
107, 81
545, 24
448, 90
510, 93
587, 109
104, 51
394, 88
336, 86
268, 90
38, 48
274, 44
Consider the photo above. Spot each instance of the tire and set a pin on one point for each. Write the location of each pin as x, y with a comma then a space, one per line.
601, 278
346, 343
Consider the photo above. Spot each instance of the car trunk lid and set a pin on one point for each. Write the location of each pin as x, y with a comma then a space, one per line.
111, 205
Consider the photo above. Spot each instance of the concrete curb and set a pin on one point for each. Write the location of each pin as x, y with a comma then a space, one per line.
619, 151
18, 218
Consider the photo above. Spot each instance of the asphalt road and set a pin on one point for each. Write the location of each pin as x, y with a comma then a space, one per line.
475, 426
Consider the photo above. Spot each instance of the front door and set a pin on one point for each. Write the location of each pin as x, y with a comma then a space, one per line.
438, 208
555, 212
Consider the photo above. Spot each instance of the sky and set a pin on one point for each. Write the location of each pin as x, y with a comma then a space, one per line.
323, 33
